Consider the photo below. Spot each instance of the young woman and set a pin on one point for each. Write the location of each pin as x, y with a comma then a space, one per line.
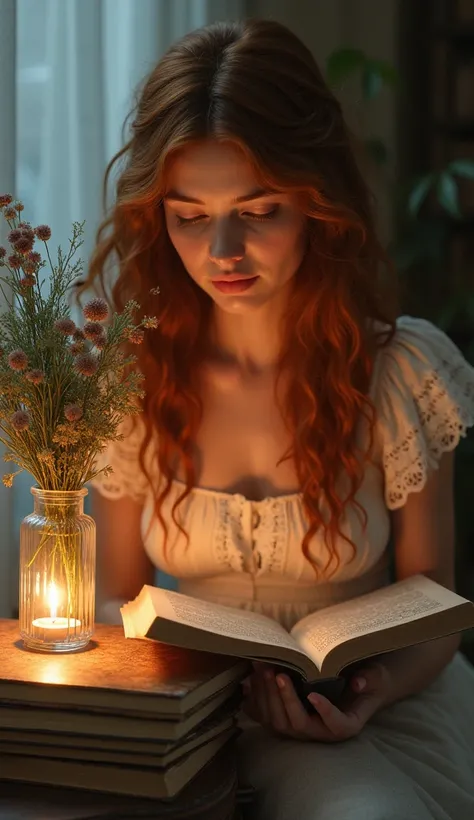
291, 422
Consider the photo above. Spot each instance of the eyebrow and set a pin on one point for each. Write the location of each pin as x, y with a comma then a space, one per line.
258, 193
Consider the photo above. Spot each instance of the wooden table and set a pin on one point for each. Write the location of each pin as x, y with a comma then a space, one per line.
210, 796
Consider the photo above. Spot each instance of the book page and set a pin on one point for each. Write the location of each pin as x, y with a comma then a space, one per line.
220, 620
398, 603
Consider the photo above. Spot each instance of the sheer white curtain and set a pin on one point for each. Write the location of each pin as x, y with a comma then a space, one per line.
7, 183
71, 83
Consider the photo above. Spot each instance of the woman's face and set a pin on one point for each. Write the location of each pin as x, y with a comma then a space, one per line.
239, 244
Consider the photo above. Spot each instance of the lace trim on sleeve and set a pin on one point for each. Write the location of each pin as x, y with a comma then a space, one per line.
445, 409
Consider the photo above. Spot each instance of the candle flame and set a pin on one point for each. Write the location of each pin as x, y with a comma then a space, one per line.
53, 598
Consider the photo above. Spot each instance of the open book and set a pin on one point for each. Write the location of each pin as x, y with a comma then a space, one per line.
319, 646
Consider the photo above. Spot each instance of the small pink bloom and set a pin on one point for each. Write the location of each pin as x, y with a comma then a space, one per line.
23, 244
96, 310
43, 232
29, 266
76, 348
100, 341
14, 235
86, 364
73, 412
92, 330
26, 229
65, 326
35, 376
136, 336
18, 360
15, 261
20, 420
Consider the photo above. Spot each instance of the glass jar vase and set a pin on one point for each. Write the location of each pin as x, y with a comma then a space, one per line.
57, 572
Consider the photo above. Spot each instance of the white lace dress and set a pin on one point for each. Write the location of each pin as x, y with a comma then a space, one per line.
415, 759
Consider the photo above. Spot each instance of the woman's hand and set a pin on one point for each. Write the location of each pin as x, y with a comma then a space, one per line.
271, 700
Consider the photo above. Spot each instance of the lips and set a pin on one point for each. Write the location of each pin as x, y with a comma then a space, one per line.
234, 283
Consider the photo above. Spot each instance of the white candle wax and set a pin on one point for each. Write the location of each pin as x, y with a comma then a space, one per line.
54, 629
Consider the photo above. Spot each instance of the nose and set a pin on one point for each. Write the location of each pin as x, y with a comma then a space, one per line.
226, 262
226, 247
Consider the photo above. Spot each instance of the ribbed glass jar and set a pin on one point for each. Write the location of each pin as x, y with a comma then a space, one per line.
57, 572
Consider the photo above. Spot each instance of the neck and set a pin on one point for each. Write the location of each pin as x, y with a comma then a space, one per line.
250, 341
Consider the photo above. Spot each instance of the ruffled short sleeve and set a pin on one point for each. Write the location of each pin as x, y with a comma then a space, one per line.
127, 478
424, 401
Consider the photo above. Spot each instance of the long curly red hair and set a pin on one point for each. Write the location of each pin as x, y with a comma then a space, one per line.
256, 84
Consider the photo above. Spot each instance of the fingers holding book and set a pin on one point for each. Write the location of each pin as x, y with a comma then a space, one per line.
271, 699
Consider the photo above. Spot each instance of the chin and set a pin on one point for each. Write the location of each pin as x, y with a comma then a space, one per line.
239, 304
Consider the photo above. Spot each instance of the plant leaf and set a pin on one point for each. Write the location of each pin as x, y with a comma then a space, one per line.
372, 81
387, 71
342, 63
419, 193
462, 167
447, 193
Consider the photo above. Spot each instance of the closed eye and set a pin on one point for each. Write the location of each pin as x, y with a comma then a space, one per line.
182, 222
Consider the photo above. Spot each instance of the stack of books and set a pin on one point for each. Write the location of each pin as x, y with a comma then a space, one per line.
130, 717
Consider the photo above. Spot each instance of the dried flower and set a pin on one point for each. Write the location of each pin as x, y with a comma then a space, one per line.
14, 235
18, 360
66, 435
20, 420
155, 291
135, 336
92, 330
29, 266
15, 261
94, 385
150, 322
73, 412
96, 310
27, 281
46, 457
86, 364
23, 244
43, 232
100, 341
65, 326
77, 347
19, 207
7, 479
35, 376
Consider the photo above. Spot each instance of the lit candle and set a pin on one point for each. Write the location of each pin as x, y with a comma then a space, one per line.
53, 629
